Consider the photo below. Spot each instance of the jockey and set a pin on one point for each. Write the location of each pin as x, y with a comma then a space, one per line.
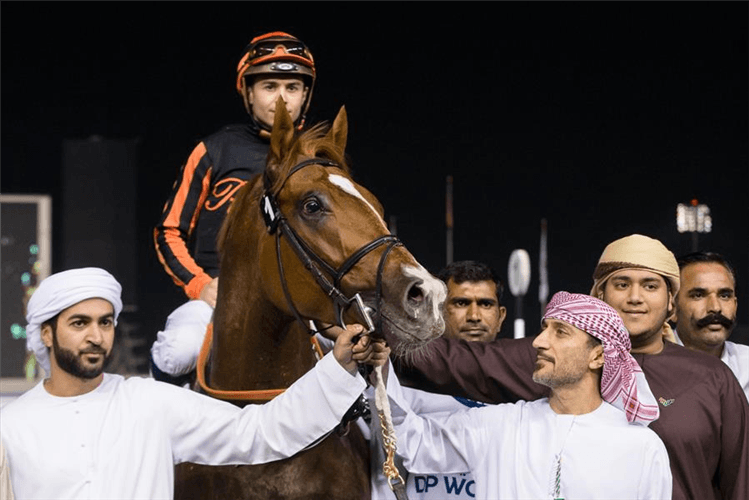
273, 64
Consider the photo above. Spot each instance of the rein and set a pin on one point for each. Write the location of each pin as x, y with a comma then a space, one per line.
251, 396
276, 223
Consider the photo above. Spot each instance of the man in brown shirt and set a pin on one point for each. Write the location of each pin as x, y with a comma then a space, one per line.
473, 308
704, 419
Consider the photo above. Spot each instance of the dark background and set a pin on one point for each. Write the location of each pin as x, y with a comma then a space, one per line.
598, 116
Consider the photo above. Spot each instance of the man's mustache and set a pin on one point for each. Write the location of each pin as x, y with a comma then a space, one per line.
715, 318
94, 349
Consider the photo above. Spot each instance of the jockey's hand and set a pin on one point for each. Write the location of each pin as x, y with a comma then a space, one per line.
210, 292
365, 350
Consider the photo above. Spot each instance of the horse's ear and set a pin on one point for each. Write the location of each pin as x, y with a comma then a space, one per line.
282, 134
338, 133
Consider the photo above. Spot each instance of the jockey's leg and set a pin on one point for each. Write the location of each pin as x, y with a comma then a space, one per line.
174, 354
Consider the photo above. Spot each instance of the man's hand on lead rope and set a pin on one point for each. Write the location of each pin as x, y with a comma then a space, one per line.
364, 351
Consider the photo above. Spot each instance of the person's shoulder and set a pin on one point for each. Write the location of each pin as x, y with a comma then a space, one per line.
232, 133
688, 357
696, 367
650, 439
150, 393
19, 410
537, 406
513, 342
145, 387
632, 432
138, 383
626, 431
502, 344
511, 415
740, 349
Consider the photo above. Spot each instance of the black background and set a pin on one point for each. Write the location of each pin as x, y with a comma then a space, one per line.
597, 116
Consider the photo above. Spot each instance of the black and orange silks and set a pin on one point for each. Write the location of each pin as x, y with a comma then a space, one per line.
186, 234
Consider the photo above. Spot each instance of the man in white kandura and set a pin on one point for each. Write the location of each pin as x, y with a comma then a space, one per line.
82, 433
589, 439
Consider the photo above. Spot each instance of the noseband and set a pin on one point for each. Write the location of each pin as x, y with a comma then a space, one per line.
278, 224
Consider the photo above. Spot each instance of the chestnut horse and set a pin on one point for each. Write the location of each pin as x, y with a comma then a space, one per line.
304, 242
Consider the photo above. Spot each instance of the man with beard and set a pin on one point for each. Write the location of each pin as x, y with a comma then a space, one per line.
704, 419
82, 433
706, 311
582, 441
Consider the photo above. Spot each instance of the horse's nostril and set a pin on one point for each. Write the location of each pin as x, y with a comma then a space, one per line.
415, 293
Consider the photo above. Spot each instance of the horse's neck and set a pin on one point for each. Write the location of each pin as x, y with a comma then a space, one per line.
256, 346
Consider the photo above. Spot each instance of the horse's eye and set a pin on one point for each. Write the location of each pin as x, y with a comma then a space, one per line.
312, 205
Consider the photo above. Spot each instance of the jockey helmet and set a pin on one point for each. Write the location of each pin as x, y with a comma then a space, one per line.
276, 53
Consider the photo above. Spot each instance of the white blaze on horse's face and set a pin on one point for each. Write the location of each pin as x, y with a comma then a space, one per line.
348, 186
413, 314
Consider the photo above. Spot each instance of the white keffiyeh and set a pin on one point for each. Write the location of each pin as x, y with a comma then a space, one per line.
60, 291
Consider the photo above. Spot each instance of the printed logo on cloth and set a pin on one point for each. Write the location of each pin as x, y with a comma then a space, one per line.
441, 486
470, 403
223, 192
665, 402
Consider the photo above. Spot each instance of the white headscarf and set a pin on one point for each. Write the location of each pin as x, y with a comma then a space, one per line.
60, 291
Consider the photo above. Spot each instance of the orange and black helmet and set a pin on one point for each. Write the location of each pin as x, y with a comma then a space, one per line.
276, 53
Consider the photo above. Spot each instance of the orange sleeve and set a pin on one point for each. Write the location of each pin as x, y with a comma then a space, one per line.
178, 220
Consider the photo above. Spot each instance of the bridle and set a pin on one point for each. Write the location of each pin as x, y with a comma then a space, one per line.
276, 223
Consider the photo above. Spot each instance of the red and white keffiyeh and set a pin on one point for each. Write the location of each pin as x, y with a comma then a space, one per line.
622, 384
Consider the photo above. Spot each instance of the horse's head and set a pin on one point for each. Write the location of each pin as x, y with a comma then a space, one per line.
326, 241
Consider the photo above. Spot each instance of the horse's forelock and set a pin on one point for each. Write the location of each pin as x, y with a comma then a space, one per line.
313, 143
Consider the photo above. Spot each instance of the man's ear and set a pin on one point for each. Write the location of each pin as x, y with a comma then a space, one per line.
596, 357
47, 335
250, 95
671, 313
601, 290
502, 316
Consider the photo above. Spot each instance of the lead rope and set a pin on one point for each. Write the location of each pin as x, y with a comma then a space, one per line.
395, 481
389, 440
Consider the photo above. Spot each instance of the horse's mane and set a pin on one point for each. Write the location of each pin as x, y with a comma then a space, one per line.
312, 143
